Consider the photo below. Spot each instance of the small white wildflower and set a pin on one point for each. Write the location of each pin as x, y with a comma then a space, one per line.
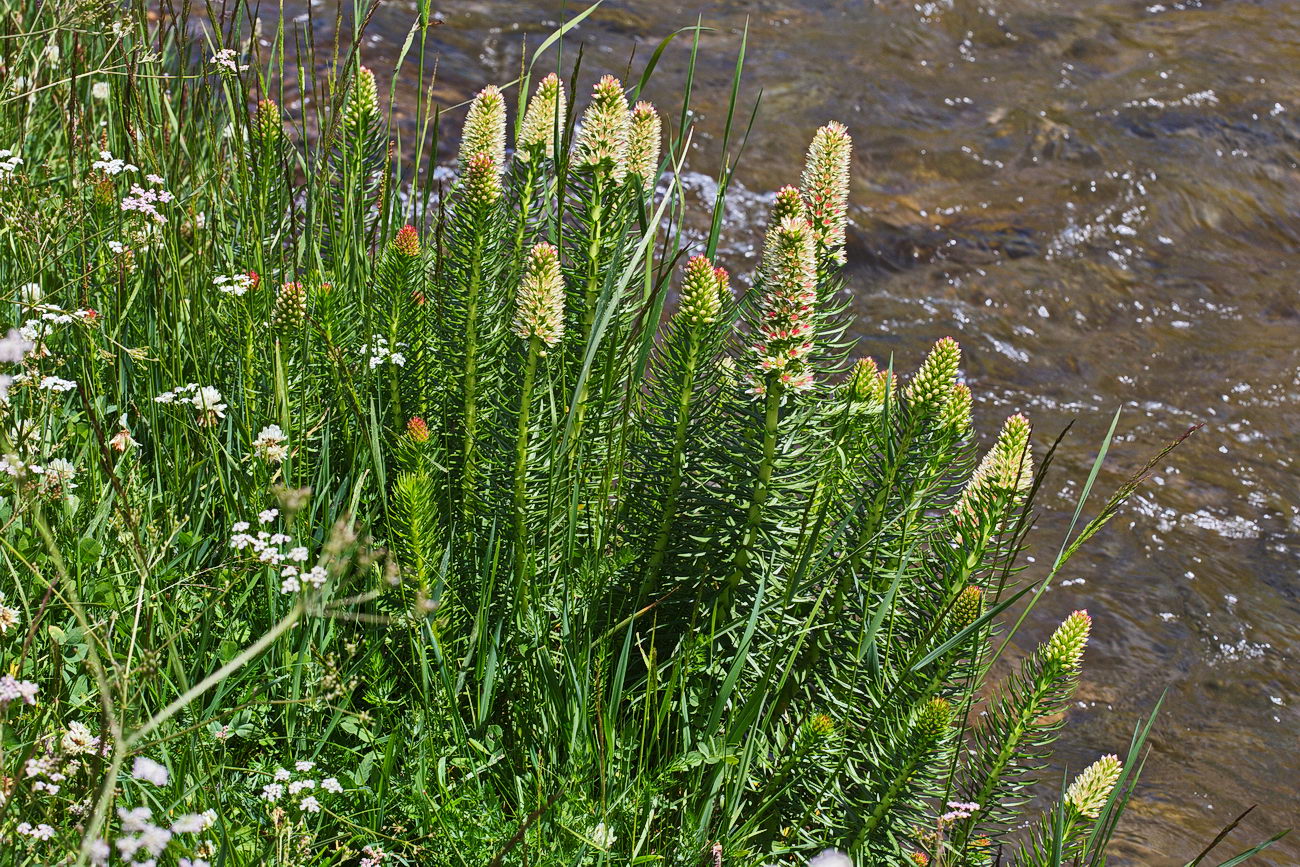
301, 786
331, 784
150, 771
272, 791
100, 90
99, 852
304, 766
78, 740
207, 400
298, 555
30, 294
110, 165
281, 775
316, 577
225, 62
54, 383
270, 444
290, 584
266, 516
239, 526
309, 804
193, 823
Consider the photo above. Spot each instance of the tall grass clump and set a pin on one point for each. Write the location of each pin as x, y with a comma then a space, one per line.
352, 518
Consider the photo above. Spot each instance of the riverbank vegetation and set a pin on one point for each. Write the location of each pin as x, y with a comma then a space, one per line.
358, 512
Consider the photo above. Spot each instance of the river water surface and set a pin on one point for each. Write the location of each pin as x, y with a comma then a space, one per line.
1101, 202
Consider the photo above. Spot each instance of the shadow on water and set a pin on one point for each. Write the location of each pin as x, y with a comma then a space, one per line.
1101, 201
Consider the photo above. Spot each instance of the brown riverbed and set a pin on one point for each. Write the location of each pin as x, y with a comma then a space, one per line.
1101, 201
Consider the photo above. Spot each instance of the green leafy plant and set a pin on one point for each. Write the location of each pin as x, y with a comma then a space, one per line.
499, 511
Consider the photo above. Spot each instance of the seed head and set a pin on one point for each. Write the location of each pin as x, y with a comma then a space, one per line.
539, 303
290, 306
1005, 473
968, 608
481, 183
544, 113
956, 414
267, 126
825, 183
407, 242
362, 106
1091, 789
785, 328
417, 430
815, 732
789, 203
865, 384
933, 721
645, 134
1065, 647
602, 140
930, 389
701, 293
485, 129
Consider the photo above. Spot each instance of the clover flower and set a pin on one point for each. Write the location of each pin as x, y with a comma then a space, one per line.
1091, 789
603, 137
8, 616
150, 771
12, 689
9, 162
702, 292
539, 301
78, 740
825, 184
545, 109
207, 400
644, 138
270, 444
58, 476
485, 129
784, 336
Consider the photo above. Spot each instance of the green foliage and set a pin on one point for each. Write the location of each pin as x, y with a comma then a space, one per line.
474, 503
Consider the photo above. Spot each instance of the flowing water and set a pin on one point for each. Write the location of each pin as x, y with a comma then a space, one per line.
1101, 201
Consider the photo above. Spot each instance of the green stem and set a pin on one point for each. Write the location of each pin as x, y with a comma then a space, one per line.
521, 461
1029, 711
684, 397
526, 206
754, 518
471, 373
904, 774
